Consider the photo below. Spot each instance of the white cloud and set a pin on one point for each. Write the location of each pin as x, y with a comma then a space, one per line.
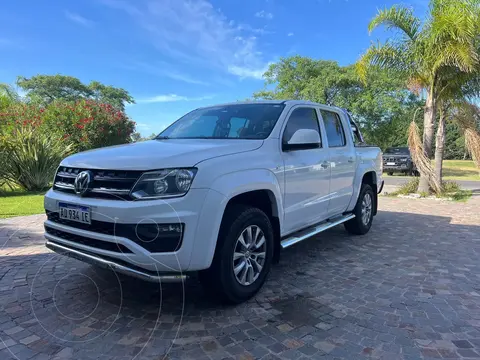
195, 34
248, 73
173, 98
163, 69
264, 14
78, 19
290, 34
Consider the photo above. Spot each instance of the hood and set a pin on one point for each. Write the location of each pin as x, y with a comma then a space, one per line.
158, 154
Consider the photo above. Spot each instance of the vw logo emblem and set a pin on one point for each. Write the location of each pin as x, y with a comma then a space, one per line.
82, 182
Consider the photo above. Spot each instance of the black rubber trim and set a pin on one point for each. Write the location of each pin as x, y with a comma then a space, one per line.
82, 240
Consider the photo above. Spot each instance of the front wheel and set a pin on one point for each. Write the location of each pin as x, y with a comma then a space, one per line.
243, 256
361, 224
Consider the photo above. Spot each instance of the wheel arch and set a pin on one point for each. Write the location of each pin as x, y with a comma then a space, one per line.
370, 178
265, 200
254, 187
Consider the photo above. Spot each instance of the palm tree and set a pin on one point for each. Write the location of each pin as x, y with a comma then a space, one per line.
8, 96
423, 53
458, 91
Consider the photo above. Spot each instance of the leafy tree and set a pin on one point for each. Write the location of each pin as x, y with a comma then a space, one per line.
116, 97
48, 88
423, 54
136, 136
45, 89
382, 106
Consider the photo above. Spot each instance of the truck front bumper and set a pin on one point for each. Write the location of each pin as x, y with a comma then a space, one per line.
397, 168
198, 214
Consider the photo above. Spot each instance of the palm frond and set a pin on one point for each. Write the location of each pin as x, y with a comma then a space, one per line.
9, 92
386, 56
460, 55
397, 17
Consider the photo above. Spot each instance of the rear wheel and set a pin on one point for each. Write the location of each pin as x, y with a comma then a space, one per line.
361, 224
243, 256
390, 173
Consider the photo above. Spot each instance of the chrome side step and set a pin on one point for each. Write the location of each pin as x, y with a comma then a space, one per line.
317, 229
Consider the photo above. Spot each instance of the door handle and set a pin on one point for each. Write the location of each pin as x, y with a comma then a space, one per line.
325, 165
351, 160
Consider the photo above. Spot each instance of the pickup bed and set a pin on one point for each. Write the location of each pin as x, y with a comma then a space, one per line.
218, 193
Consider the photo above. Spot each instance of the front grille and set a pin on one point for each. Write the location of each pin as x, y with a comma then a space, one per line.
155, 238
82, 240
109, 184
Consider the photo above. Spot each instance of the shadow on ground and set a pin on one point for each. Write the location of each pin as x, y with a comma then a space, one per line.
413, 277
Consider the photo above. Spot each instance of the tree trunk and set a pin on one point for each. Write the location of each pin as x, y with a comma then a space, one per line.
428, 131
440, 145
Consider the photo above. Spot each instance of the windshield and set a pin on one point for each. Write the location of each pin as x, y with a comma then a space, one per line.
398, 151
237, 121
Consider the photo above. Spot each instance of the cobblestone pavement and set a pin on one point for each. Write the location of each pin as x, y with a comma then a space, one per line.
410, 289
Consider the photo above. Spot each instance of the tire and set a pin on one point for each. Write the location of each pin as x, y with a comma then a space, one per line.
220, 279
390, 173
357, 225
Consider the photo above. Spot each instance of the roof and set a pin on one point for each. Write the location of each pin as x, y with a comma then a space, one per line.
273, 102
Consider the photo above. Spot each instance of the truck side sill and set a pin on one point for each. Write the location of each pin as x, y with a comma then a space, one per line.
309, 232
95, 260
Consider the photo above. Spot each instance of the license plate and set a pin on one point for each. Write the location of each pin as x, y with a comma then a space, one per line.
390, 164
76, 213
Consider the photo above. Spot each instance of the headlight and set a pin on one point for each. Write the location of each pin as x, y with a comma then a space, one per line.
403, 160
163, 184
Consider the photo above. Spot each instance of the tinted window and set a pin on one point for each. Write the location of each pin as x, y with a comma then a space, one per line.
237, 127
301, 118
237, 121
398, 151
334, 129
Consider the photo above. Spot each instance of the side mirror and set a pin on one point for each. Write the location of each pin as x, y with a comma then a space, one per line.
303, 139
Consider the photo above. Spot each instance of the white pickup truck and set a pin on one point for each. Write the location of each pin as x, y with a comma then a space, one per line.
218, 193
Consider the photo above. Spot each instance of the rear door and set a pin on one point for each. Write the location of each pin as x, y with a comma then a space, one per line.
342, 161
307, 174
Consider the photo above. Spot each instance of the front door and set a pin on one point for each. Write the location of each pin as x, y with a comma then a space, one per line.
342, 162
307, 175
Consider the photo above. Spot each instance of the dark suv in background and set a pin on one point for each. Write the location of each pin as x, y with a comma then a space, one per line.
398, 160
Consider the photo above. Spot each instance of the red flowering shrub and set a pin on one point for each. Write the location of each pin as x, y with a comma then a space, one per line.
85, 124
88, 124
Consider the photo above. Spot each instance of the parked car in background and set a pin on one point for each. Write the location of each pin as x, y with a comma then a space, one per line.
220, 193
399, 160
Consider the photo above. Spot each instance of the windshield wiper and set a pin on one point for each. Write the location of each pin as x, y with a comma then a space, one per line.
162, 138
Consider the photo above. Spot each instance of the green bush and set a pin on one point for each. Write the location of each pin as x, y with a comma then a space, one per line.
450, 187
30, 157
86, 124
409, 187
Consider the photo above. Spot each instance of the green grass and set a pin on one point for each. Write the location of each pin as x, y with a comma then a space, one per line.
20, 203
458, 170
450, 189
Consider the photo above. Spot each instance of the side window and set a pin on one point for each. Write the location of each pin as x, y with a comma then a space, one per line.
301, 118
334, 129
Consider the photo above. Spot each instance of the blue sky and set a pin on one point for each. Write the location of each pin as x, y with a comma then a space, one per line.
176, 55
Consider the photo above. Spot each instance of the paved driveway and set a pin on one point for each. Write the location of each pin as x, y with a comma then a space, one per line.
408, 290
